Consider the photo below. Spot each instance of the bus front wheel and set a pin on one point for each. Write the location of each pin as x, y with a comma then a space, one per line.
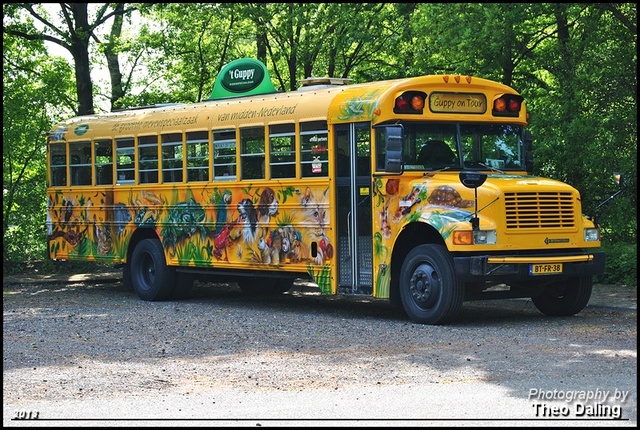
566, 297
429, 288
150, 276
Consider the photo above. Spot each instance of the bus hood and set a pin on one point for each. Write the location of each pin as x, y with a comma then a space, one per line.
444, 193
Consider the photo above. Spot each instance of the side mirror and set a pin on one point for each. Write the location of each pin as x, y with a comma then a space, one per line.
619, 178
473, 180
528, 151
393, 144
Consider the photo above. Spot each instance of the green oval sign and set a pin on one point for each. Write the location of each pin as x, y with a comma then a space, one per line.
245, 76
242, 77
81, 129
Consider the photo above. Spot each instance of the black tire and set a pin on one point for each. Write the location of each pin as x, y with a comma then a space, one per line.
183, 285
255, 286
429, 288
565, 298
152, 279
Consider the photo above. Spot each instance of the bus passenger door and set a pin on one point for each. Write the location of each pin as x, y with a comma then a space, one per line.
353, 191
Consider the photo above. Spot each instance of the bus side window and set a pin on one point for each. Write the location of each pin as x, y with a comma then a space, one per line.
82, 176
252, 153
58, 165
282, 155
314, 141
125, 160
106, 175
224, 155
198, 156
172, 157
80, 163
104, 162
148, 159
59, 176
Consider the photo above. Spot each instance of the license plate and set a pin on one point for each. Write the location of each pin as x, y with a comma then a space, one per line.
545, 269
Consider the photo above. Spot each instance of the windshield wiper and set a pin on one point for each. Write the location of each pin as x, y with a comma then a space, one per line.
493, 169
433, 172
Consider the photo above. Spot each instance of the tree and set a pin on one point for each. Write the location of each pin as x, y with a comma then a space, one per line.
574, 63
184, 57
75, 38
37, 88
325, 39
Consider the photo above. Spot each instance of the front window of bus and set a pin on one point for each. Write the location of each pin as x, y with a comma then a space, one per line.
491, 146
430, 146
437, 146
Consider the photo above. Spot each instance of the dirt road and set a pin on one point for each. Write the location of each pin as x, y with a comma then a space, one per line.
84, 352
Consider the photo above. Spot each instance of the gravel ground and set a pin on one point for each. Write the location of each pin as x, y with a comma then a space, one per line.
82, 351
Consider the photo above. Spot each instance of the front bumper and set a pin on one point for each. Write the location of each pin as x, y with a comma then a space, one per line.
504, 268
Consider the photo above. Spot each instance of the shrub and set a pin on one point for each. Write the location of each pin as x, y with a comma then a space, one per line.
621, 265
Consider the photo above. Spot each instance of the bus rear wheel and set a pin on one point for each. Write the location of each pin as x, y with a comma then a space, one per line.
429, 288
566, 297
150, 276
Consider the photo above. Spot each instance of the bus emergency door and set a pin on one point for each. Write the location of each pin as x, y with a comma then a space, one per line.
353, 192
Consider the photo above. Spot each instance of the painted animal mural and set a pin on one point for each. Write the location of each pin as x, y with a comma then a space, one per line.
398, 204
316, 211
219, 226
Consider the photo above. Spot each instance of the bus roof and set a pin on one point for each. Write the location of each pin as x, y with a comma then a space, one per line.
372, 101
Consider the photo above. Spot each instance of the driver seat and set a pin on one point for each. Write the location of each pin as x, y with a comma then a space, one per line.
436, 152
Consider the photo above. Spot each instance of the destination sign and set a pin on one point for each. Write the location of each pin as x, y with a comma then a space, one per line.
457, 102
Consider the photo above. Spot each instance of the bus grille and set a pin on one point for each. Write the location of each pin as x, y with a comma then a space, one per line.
539, 210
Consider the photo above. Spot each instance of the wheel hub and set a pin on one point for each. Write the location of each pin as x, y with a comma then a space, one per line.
149, 270
425, 286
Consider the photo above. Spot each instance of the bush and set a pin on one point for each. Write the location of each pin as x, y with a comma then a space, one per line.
49, 267
621, 265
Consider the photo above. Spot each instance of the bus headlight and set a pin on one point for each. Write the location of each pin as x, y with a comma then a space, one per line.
484, 237
476, 237
591, 234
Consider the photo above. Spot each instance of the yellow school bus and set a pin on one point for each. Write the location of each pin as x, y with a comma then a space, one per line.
416, 190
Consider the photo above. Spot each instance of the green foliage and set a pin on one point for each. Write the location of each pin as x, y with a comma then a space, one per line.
584, 110
35, 87
621, 265
574, 63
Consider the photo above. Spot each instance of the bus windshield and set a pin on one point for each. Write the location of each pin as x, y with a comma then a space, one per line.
441, 145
